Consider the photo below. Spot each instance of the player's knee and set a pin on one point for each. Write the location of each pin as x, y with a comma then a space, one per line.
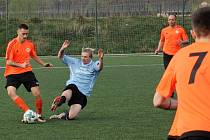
36, 94
72, 116
11, 94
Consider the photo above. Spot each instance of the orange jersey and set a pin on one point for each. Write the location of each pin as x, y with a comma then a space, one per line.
189, 73
171, 38
173, 131
19, 53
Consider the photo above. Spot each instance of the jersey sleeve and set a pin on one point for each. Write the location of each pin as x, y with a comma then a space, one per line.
33, 50
9, 52
96, 65
167, 83
162, 37
69, 60
184, 35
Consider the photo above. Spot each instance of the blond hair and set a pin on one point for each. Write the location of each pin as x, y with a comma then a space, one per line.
89, 51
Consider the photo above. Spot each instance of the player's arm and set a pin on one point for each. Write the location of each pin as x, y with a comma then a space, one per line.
9, 58
20, 65
164, 103
184, 42
39, 61
65, 45
160, 47
185, 39
100, 57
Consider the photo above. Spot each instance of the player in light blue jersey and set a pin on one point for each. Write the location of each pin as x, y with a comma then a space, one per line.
83, 74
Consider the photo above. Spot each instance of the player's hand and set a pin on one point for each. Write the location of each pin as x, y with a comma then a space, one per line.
66, 44
157, 51
100, 53
48, 65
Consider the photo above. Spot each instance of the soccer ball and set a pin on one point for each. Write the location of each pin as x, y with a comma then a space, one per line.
30, 117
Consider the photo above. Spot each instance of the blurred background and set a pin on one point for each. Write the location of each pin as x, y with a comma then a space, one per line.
117, 26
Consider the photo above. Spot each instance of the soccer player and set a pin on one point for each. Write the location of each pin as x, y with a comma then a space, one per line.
19, 70
189, 73
83, 74
171, 39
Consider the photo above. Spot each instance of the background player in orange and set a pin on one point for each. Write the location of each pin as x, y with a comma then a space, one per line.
189, 73
19, 70
171, 39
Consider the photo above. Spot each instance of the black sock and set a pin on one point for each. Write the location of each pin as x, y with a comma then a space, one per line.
66, 116
63, 100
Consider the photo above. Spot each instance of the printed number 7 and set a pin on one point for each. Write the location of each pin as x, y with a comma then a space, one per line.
201, 56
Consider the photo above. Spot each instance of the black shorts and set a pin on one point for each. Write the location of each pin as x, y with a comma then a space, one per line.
166, 59
192, 135
28, 79
195, 135
172, 137
77, 96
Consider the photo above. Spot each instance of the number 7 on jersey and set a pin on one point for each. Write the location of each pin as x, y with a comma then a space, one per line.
201, 56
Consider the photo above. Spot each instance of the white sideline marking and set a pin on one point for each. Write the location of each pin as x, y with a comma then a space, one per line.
109, 66
105, 55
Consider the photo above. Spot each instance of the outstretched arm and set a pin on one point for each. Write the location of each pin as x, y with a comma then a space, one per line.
65, 45
100, 57
39, 61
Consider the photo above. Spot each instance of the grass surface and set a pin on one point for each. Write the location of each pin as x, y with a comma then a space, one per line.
119, 109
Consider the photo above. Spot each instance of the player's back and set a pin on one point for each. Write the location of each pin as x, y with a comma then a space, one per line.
192, 73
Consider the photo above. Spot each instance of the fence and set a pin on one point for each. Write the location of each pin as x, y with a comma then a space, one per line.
117, 26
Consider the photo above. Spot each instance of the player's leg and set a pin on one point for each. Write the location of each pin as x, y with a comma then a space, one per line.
76, 103
12, 85
59, 100
69, 115
166, 59
16, 99
38, 102
74, 111
65, 97
32, 85
38, 99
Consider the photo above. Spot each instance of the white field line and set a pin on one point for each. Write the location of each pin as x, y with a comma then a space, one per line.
109, 66
106, 55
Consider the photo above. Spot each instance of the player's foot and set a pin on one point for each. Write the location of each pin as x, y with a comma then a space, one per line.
55, 103
41, 119
58, 116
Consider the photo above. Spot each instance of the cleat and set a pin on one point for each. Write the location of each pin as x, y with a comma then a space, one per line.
59, 116
55, 103
40, 118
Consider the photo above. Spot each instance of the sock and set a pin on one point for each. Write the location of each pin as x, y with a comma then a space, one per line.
38, 103
63, 100
66, 116
21, 104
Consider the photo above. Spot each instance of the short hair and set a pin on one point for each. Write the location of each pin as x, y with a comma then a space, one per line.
201, 21
172, 14
23, 26
89, 51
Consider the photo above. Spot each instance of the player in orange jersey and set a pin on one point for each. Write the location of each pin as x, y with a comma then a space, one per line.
189, 73
19, 70
171, 39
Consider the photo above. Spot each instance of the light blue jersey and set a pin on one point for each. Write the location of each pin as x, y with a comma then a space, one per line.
82, 75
